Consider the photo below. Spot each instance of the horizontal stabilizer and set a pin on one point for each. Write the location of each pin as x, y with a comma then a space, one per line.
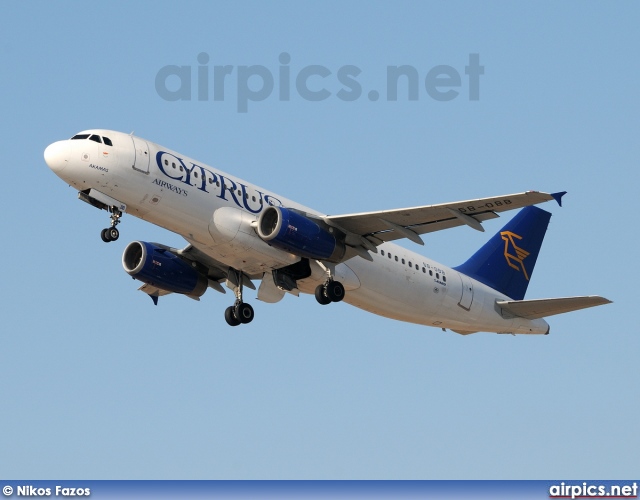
541, 308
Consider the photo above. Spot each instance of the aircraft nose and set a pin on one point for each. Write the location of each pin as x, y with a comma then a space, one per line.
57, 155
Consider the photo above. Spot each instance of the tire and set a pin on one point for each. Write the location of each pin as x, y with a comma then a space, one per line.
230, 317
104, 234
113, 234
244, 313
335, 291
321, 297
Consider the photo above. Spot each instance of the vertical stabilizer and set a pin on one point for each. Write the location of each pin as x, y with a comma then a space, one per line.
506, 261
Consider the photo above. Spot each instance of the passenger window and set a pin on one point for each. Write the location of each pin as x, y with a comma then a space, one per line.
430, 272
218, 183
253, 198
396, 258
107, 141
438, 276
424, 270
80, 136
444, 278
95, 138
417, 267
403, 261
389, 255
382, 252
410, 265
195, 174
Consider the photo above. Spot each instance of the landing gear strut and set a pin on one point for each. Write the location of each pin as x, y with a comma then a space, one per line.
111, 233
240, 312
331, 291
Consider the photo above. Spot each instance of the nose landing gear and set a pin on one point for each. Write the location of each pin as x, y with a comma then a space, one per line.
111, 233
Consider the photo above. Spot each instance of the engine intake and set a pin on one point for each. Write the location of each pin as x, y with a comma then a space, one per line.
159, 267
291, 231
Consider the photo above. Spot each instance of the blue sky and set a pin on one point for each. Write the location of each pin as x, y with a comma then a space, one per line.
98, 383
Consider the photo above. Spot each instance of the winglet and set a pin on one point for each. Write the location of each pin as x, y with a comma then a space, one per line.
558, 196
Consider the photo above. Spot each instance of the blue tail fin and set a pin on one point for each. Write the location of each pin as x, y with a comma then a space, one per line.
506, 261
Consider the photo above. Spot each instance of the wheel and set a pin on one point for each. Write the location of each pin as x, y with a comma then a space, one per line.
244, 313
321, 297
104, 234
113, 234
230, 317
335, 291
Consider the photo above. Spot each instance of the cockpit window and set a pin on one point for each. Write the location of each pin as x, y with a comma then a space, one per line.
95, 138
80, 136
107, 141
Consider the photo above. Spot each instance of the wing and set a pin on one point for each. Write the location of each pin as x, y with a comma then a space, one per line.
389, 225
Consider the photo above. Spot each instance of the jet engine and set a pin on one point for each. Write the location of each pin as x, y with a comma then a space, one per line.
158, 267
293, 232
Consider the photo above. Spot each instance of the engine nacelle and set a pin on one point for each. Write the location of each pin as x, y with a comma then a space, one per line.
159, 267
290, 231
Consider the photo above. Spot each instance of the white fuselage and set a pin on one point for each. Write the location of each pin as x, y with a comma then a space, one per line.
212, 209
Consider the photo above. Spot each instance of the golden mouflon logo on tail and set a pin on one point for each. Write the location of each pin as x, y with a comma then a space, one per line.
514, 261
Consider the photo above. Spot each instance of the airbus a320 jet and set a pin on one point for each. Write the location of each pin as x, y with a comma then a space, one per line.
238, 233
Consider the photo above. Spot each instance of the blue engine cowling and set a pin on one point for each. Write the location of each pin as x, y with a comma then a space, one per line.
293, 232
159, 267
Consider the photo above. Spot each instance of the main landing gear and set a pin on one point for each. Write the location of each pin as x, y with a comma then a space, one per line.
111, 233
331, 291
240, 312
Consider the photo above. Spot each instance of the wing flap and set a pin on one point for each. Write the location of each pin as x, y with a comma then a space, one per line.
541, 308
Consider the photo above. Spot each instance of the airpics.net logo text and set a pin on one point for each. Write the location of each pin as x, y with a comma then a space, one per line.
590, 490
314, 83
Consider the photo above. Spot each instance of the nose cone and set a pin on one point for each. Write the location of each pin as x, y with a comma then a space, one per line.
57, 155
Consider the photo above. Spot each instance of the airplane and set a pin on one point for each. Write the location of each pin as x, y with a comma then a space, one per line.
238, 233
